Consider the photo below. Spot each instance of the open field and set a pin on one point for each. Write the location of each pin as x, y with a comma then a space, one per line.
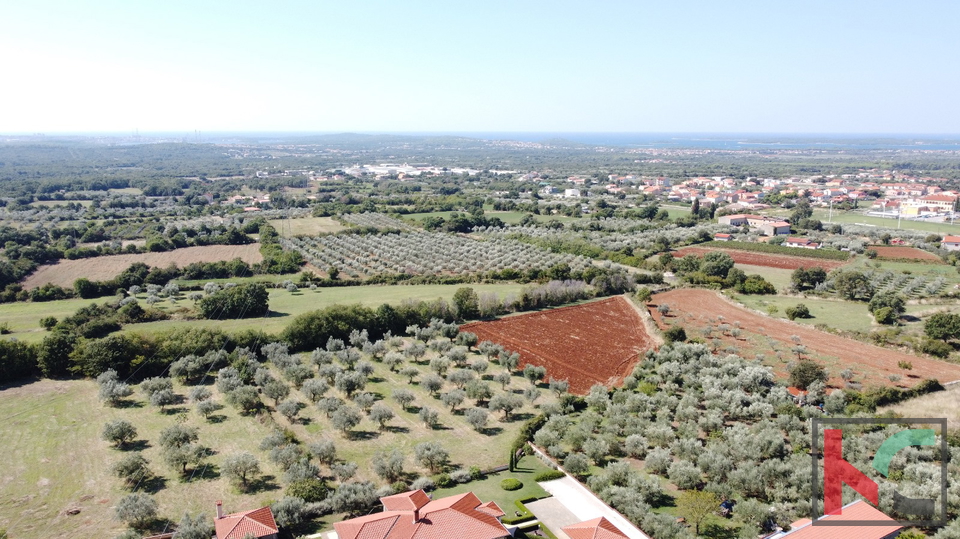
853, 217
306, 226
508, 217
104, 268
697, 309
778, 277
765, 259
596, 342
24, 317
940, 404
899, 252
51, 203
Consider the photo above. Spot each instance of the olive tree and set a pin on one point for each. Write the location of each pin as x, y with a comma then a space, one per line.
242, 467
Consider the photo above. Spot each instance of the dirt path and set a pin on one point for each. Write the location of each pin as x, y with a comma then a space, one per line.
700, 308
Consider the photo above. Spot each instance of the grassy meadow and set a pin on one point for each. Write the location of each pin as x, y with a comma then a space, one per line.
24, 317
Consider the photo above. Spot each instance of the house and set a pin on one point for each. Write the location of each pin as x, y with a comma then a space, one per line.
768, 226
950, 243
943, 203
802, 243
413, 515
598, 528
723, 237
858, 510
257, 522
571, 193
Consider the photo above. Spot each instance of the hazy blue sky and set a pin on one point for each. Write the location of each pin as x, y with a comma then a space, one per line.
403, 65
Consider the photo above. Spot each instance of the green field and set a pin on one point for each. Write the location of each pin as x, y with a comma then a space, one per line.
24, 317
778, 277
845, 315
852, 217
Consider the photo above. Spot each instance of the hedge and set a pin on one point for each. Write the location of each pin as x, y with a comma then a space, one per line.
511, 484
828, 254
549, 475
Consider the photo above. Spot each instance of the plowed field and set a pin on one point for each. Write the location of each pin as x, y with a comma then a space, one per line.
103, 268
904, 253
765, 259
597, 342
697, 308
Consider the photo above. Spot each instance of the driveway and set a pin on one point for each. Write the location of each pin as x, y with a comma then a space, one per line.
583, 505
553, 514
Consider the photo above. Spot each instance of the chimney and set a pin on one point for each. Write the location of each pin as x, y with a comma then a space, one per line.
416, 515
219, 510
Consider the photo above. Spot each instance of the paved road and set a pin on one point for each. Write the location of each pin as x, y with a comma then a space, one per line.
582, 504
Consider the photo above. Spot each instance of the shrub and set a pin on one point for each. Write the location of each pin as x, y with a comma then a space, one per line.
444, 481
511, 484
549, 475
934, 347
799, 311
675, 334
806, 372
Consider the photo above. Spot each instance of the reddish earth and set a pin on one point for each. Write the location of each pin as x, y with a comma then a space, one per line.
698, 308
909, 253
765, 259
597, 342
104, 268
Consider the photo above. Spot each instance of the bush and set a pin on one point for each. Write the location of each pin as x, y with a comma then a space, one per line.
311, 490
443, 481
549, 475
800, 311
934, 348
511, 484
675, 334
806, 372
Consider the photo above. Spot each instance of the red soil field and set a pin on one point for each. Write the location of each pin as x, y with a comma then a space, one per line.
103, 268
764, 259
698, 308
597, 342
904, 253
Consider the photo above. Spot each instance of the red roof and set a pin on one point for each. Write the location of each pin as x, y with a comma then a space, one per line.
598, 528
858, 510
951, 239
259, 522
461, 516
718, 235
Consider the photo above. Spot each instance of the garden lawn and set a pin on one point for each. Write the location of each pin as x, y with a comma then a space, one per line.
778, 277
853, 217
489, 489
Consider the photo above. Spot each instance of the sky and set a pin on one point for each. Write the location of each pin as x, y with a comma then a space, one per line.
636, 66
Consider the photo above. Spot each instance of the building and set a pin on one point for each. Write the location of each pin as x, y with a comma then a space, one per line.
940, 203
598, 528
723, 237
950, 243
802, 243
571, 193
257, 522
858, 510
413, 515
768, 226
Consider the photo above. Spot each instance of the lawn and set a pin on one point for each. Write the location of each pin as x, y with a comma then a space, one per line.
24, 317
306, 226
489, 489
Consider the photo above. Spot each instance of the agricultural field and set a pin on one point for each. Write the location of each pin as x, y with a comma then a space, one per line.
306, 226
593, 343
57, 454
887, 252
778, 277
376, 220
425, 253
854, 217
765, 259
702, 312
103, 268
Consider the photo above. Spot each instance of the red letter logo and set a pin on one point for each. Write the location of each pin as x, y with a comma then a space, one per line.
837, 471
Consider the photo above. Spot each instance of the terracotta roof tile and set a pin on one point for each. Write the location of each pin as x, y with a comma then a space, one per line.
598, 528
858, 510
259, 522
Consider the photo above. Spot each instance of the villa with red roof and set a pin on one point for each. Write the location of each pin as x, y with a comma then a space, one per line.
951, 243
257, 522
413, 515
598, 528
858, 510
